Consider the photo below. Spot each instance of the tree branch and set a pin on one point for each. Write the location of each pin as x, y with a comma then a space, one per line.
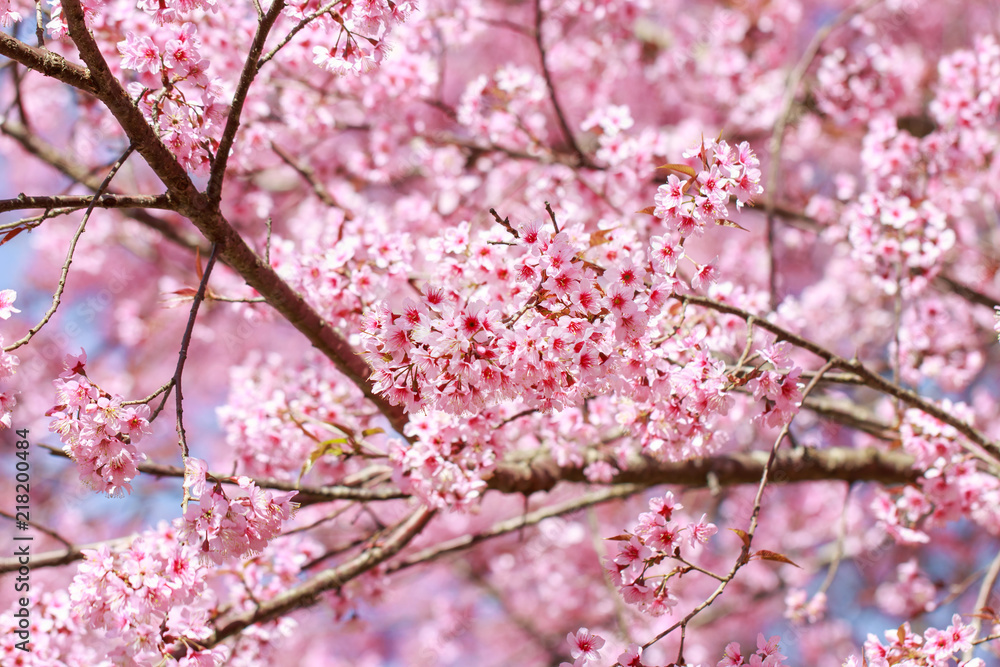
872, 379
23, 202
308, 593
515, 523
250, 68
530, 475
50, 156
47, 63
206, 216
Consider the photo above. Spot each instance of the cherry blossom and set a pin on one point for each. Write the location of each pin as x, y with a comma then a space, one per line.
436, 333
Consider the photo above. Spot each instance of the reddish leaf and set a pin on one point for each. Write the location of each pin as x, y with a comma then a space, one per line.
743, 536
624, 537
763, 554
600, 237
11, 234
730, 223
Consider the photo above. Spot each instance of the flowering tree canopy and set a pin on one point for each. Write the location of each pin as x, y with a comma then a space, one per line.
500, 332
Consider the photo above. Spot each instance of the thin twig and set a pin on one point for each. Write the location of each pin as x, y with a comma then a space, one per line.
51, 533
982, 599
838, 553
185, 341
39, 23
76, 202
747, 537
309, 175
57, 297
250, 68
560, 116
771, 189
513, 524
306, 20
991, 453
305, 495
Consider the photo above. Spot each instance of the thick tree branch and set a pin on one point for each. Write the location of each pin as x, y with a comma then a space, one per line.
47, 63
23, 202
208, 219
528, 475
308, 593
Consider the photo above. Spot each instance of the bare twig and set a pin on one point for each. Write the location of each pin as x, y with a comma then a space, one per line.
57, 297
771, 189
305, 495
306, 20
47, 63
513, 524
42, 529
250, 68
982, 599
39, 25
76, 202
747, 537
309, 175
871, 378
185, 341
560, 116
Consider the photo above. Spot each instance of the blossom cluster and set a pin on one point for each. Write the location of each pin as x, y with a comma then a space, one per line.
174, 91
767, 654
146, 597
548, 325
856, 83
951, 487
658, 537
296, 403
937, 340
800, 608
362, 31
935, 648
779, 384
450, 458
687, 206
99, 432
506, 108
230, 526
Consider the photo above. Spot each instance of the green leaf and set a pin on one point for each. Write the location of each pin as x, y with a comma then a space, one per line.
326, 447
